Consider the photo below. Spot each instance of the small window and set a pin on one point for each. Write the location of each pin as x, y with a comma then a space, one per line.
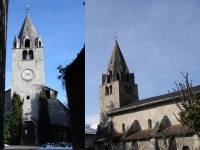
127, 78
106, 90
129, 89
110, 89
30, 53
149, 123
24, 54
27, 43
117, 76
28, 97
123, 127
108, 78
40, 44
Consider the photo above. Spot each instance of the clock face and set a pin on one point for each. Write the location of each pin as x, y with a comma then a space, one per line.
27, 74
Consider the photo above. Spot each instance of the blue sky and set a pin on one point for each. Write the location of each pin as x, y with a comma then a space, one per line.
158, 40
61, 26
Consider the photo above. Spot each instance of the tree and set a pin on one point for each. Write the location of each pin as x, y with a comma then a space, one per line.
6, 130
16, 119
190, 105
73, 77
43, 125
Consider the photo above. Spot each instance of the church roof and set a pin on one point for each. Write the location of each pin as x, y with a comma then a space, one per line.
177, 129
58, 113
117, 62
27, 29
151, 102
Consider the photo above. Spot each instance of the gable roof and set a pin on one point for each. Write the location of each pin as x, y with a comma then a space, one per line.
58, 113
151, 102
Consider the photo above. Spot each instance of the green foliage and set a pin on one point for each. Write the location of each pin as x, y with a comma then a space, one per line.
16, 119
190, 105
44, 126
6, 130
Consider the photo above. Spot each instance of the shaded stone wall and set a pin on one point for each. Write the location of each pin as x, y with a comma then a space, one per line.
154, 113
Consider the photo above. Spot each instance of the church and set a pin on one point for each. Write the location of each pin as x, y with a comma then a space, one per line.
130, 123
28, 79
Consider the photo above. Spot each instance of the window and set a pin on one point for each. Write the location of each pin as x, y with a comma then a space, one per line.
24, 54
27, 43
129, 89
110, 89
108, 78
30, 53
149, 123
28, 97
40, 44
127, 78
117, 76
15, 44
106, 90
123, 127
185, 148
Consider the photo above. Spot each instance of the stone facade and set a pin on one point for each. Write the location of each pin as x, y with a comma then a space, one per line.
118, 85
139, 124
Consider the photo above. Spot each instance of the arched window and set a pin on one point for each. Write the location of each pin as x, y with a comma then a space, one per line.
129, 89
117, 76
40, 44
110, 89
30, 53
149, 123
108, 78
127, 78
24, 54
110, 72
15, 44
185, 148
106, 90
123, 127
27, 43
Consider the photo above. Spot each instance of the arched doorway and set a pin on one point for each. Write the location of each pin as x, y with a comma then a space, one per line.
29, 133
185, 148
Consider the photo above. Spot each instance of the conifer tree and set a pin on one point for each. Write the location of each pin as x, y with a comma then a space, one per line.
6, 129
43, 118
16, 119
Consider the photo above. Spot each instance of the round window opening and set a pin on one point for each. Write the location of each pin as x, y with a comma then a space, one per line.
28, 97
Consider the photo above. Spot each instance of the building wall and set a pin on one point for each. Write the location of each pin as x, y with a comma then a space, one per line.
28, 87
154, 113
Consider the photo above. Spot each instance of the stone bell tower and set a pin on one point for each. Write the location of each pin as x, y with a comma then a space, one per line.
118, 85
28, 71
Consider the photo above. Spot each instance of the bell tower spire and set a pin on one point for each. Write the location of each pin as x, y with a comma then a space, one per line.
118, 84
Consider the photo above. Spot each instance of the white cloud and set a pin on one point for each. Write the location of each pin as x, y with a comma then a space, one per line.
93, 120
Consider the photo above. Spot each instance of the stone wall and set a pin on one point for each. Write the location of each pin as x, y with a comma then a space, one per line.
155, 113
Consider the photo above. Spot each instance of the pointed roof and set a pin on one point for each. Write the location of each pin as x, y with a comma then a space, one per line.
27, 29
117, 62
